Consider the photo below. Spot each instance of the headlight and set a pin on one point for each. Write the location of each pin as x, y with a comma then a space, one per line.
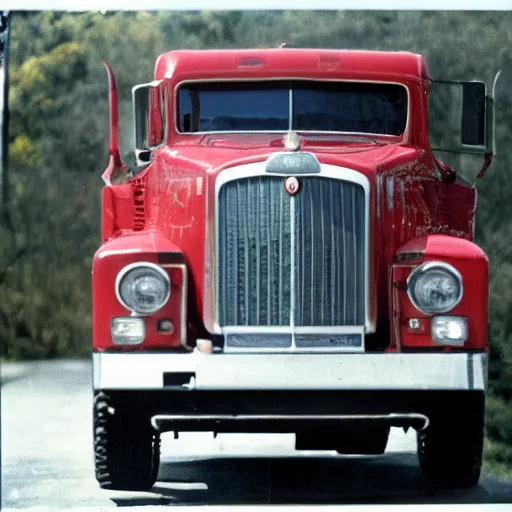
435, 287
143, 288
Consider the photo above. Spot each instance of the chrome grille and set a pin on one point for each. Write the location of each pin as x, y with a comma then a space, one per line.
262, 232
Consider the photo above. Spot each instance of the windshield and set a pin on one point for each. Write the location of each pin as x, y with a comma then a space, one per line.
300, 106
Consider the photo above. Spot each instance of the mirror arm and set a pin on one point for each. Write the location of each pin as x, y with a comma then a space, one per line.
447, 173
491, 129
487, 162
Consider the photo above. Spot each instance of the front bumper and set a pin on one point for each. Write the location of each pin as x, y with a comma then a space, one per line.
364, 372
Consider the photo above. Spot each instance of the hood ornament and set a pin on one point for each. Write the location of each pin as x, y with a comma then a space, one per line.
292, 141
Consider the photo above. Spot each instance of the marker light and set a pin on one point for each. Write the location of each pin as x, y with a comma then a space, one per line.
449, 330
127, 330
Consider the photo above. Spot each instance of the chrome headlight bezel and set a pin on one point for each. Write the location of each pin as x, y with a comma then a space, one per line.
158, 271
423, 269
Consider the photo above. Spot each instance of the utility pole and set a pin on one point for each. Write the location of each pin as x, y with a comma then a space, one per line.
5, 21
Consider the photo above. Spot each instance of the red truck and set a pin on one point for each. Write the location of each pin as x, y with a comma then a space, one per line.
288, 255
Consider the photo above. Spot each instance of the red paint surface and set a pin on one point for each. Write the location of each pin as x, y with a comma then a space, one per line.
408, 201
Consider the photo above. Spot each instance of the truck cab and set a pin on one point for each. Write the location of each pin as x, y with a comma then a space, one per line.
289, 255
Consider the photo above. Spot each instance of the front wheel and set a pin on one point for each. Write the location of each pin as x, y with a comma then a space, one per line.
450, 449
126, 447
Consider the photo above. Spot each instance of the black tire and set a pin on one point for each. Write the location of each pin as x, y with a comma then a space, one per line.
450, 449
126, 447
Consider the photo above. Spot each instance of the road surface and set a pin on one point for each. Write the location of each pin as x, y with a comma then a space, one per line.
47, 459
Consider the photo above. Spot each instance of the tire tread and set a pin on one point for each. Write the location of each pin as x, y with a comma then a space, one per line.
126, 453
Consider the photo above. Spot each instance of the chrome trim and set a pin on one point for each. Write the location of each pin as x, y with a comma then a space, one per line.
425, 267
279, 329
184, 295
336, 371
366, 277
294, 331
132, 266
392, 417
258, 169
141, 165
294, 350
291, 172
292, 269
344, 232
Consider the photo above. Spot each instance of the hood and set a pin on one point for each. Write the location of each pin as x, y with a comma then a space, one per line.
213, 153
181, 195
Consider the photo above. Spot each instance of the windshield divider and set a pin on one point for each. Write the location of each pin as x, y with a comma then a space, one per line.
290, 113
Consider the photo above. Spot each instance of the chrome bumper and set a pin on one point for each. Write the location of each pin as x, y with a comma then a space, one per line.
292, 371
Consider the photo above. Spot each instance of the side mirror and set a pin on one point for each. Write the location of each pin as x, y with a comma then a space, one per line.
473, 118
149, 119
467, 104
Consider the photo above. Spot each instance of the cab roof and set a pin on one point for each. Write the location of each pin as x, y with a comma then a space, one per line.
183, 65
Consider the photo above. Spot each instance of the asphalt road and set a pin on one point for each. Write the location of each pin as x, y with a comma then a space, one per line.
47, 459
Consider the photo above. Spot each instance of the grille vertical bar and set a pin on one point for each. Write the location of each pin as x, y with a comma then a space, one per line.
255, 253
344, 252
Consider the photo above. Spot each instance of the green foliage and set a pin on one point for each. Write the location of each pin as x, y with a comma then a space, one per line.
498, 459
498, 431
24, 152
499, 420
47, 264
59, 145
41, 85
